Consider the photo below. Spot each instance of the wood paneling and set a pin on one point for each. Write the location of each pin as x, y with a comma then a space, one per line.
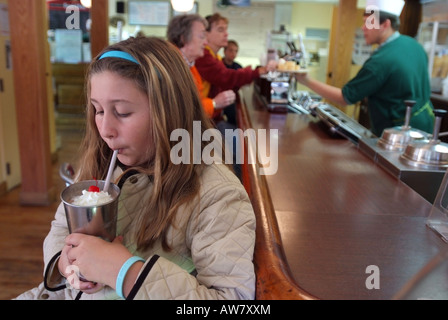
411, 17
28, 26
341, 46
69, 84
99, 35
24, 228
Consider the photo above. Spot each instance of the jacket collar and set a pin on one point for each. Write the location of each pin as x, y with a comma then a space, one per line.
214, 55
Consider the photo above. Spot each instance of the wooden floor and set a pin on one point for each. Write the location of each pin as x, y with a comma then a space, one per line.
23, 228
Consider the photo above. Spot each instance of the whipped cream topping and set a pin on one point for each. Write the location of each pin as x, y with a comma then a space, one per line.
89, 199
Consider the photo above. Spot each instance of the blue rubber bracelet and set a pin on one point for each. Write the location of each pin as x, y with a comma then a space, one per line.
122, 274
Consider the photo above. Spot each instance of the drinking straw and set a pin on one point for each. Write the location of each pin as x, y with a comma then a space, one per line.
111, 169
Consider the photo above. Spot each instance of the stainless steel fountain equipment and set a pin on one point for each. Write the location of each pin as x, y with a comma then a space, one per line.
421, 163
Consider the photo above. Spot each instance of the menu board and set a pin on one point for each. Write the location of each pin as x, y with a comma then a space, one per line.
150, 13
68, 45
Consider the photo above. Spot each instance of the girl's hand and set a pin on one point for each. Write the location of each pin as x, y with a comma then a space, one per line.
73, 276
97, 260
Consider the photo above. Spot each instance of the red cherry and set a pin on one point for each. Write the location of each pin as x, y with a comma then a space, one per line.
94, 189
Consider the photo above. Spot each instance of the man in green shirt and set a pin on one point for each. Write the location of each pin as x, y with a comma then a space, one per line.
396, 71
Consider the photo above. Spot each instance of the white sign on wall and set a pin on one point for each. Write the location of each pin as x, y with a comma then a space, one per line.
249, 26
4, 20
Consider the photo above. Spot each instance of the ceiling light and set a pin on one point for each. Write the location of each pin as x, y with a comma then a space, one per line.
86, 3
182, 5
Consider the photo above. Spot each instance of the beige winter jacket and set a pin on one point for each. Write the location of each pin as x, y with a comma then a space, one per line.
213, 245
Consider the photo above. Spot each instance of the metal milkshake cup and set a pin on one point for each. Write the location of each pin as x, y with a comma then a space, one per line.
98, 220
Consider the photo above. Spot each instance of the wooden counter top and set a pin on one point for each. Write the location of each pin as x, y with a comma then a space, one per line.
328, 214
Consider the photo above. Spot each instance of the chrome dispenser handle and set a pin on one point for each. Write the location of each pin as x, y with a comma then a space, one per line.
439, 114
409, 104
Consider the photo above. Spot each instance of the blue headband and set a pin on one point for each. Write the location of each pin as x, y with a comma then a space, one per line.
118, 54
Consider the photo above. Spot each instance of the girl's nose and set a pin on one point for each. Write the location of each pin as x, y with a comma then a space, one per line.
108, 126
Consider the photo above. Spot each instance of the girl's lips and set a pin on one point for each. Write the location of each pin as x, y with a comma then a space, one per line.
119, 149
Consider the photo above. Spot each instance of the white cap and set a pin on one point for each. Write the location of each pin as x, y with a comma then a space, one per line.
390, 6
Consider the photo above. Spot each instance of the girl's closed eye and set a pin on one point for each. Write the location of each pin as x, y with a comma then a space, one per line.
122, 109
123, 114
98, 110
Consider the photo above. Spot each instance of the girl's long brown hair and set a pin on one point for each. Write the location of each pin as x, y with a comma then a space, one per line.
174, 103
